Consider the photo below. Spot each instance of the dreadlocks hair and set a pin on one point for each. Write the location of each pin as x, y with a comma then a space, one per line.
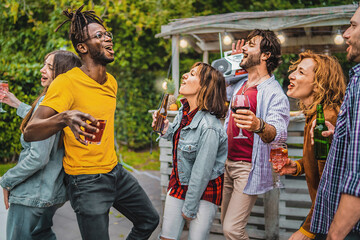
79, 20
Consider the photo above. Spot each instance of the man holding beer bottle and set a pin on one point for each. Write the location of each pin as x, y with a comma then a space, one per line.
337, 207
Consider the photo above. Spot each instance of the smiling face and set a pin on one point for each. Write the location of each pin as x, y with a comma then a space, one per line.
252, 53
352, 37
302, 81
190, 84
100, 49
47, 71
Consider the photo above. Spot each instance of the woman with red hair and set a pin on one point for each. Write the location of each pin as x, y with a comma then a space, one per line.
314, 79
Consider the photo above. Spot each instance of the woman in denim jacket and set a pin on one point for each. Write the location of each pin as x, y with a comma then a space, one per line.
35, 186
199, 154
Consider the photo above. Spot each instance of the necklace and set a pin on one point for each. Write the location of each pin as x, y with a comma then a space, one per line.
247, 87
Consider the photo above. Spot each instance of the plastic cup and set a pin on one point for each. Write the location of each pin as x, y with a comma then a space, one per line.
98, 135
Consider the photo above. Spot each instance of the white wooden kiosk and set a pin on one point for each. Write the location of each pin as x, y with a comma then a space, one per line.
276, 214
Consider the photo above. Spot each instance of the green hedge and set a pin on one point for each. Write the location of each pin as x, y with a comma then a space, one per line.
27, 35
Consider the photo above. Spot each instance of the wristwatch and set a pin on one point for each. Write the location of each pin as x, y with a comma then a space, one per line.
262, 126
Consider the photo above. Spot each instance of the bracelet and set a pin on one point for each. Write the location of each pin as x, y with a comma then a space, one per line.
262, 126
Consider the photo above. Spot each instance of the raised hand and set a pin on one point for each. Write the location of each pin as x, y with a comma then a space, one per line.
238, 48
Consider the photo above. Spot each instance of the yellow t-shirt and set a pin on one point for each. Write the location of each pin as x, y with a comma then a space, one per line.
74, 90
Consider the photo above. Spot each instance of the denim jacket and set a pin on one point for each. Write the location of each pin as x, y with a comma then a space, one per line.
37, 179
201, 155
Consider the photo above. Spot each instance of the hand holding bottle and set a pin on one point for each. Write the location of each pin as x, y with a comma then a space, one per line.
160, 116
328, 133
166, 123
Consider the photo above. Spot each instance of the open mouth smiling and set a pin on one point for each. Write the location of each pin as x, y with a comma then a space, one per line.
291, 85
109, 48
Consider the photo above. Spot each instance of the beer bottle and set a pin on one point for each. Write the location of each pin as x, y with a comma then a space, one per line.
161, 114
322, 144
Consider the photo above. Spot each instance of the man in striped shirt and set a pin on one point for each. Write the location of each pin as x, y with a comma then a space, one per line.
337, 206
247, 169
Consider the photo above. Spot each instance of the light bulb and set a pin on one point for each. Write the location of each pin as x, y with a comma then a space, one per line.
281, 38
227, 40
164, 85
183, 43
338, 40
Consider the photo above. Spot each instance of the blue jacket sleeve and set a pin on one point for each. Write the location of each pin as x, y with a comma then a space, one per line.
278, 115
34, 157
23, 109
38, 156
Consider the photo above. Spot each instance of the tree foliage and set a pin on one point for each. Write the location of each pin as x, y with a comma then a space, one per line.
27, 35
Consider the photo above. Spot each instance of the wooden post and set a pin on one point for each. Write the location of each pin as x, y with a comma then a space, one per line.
175, 62
206, 56
271, 214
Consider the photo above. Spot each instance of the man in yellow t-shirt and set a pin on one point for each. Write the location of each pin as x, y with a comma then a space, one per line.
76, 90
95, 180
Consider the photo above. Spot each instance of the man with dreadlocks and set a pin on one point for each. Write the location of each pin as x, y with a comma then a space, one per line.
96, 181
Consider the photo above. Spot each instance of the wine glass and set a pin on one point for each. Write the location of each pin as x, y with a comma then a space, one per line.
240, 102
278, 156
4, 86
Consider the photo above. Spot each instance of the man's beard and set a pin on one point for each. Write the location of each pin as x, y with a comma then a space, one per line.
354, 52
252, 60
100, 58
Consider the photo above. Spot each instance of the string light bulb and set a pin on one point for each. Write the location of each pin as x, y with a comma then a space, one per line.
184, 43
338, 40
164, 85
281, 37
227, 39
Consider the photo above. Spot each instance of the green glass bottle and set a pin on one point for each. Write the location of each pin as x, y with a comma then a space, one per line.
322, 144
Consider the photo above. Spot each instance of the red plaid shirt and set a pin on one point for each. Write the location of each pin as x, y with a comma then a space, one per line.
213, 191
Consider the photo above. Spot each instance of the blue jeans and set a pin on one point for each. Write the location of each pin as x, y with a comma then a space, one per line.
92, 195
30, 223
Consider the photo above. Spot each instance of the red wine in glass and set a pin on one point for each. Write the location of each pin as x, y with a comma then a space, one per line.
236, 108
240, 102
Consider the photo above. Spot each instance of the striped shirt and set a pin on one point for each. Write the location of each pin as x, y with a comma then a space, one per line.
342, 170
213, 191
272, 106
